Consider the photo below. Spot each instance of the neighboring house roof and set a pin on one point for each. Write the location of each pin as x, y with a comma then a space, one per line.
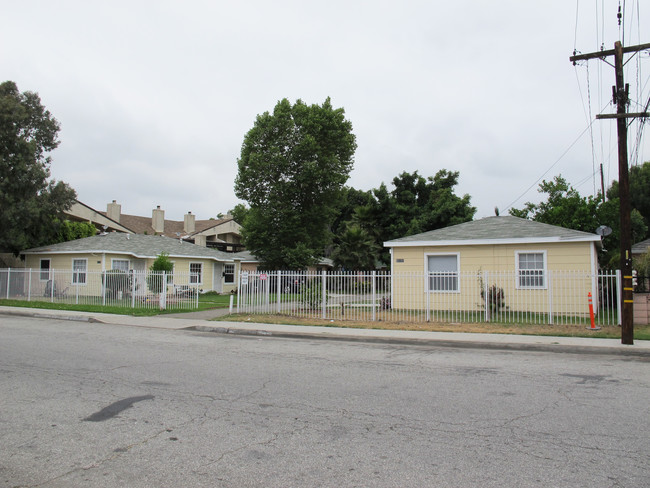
495, 230
248, 257
83, 213
136, 245
641, 247
142, 225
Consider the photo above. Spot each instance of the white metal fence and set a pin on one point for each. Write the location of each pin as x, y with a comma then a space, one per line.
133, 289
554, 297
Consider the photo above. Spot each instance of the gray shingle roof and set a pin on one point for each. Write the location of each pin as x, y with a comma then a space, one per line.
136, 245
500, 229
641, 247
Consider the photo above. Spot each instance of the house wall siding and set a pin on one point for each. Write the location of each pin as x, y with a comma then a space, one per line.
495, 261
574, 256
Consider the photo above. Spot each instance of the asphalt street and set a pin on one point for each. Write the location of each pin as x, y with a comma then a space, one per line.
92, 404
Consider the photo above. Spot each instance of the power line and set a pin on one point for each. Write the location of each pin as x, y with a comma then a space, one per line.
550, 167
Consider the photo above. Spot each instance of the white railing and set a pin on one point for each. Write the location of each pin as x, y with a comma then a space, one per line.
555, 297
135, 289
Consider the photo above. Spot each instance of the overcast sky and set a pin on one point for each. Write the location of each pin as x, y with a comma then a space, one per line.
155, 97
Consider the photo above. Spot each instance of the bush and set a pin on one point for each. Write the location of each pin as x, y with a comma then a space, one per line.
155, 279
311, 295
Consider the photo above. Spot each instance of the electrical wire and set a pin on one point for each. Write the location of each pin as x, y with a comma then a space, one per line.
591, 131
550, 167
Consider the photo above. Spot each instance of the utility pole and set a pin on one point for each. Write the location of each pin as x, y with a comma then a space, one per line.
620, 92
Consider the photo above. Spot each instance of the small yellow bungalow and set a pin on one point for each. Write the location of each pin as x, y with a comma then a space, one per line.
203, 267
496, 262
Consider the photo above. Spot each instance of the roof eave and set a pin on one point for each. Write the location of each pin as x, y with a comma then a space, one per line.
486, 242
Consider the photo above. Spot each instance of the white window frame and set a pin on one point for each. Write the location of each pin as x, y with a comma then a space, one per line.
77, 274
427, 278
127, 261
544, 271
193, 274
226, 273
48, 270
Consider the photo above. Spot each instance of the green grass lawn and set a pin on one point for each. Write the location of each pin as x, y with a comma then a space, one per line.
207, 301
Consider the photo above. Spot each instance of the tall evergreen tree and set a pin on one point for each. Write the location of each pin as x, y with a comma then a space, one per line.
31, 205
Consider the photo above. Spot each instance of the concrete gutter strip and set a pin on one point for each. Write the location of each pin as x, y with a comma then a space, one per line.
582, 345
435, 340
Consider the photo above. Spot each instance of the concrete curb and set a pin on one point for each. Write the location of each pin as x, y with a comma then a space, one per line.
45, 315
469, 341
465, 344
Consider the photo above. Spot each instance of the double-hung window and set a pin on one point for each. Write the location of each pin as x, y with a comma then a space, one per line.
45, 270
442, 272
79, 268
196, 273
531, 269
228, 273
120, 264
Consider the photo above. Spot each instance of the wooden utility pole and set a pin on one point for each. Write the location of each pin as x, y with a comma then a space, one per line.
621, 100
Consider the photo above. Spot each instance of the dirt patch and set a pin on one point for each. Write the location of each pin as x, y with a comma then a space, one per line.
562, 330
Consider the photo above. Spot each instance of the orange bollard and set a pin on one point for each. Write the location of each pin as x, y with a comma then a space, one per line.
591, 314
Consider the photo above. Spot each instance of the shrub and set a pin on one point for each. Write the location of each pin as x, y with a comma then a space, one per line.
311, 295
155, 279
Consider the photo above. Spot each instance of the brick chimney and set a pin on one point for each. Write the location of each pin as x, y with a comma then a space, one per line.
114, 210
158, 220
189, 223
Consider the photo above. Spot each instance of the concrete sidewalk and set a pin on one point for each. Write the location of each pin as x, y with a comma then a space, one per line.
490, 341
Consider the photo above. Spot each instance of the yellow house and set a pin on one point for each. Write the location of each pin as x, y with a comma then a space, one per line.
504, 262
203, 267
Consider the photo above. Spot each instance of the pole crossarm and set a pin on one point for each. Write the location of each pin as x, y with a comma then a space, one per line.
623, 116
609, 52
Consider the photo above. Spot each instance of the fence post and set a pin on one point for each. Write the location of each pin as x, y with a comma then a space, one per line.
238, 287
134, 278
619, 297
103, 286
53, 280
374, 296
162, 300
486, 295
279, 289
8, 276
427, 282
324, 293
549, 290
29, 284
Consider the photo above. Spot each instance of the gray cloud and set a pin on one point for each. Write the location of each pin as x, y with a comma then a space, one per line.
155, 99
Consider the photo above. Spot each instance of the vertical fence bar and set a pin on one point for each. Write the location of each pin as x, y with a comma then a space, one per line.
278, 287
486, 297
324, 294
133, 280
8, 276
374, 296
549, 291
619, 297
29, 286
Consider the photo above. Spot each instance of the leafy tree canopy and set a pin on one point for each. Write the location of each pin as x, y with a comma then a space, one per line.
293, 165
639, 178
68, 230
357, 249
30, 203
565, 207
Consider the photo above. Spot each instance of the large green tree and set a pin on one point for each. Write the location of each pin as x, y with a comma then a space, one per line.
293, 166
639, 178
415, 204
31, 205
